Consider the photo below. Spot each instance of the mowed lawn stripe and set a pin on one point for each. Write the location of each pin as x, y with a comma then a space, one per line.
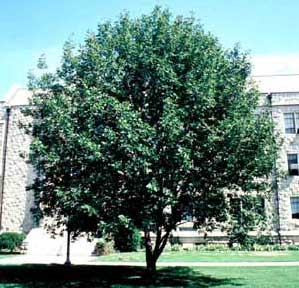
207, 256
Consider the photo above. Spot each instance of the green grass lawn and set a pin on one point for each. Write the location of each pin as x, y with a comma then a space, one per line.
199, 256
128, 277
2, 256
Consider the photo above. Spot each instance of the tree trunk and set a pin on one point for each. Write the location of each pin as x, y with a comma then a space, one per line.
150, 259
151, 266
68, 261
152, 255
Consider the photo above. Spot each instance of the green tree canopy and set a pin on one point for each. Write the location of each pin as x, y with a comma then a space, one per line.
151, 118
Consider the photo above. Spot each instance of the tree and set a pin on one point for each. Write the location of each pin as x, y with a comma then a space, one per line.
150, 119
59, 194
246, 214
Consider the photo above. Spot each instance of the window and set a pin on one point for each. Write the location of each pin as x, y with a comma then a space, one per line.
293, 164
295, 207
291, 122
255, 204
188, 214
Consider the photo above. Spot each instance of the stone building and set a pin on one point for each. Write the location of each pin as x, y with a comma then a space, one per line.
282, 92
16, 174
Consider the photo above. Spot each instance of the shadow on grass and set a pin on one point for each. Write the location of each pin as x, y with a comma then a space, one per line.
33, 275
9, 253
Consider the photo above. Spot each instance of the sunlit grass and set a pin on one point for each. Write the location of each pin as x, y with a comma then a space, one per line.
208, 256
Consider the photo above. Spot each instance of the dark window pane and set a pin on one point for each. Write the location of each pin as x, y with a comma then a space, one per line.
293, 164
295, 207
289, 123
297, 122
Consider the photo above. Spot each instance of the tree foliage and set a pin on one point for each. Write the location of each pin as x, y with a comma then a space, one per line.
247, 213
11, 241
151, 118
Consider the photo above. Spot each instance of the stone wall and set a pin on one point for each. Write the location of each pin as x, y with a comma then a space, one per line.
2, 127
288, 185
17, 201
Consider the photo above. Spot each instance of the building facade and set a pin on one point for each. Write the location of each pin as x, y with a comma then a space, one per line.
281, 92
16, 174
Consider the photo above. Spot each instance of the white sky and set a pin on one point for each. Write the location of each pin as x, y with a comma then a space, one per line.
275, 64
